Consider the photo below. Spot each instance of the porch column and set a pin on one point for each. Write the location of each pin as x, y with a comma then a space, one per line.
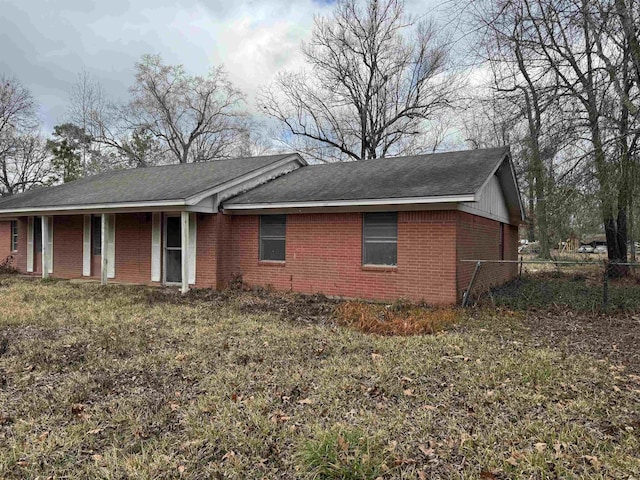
104, 255
184, 220
45, 246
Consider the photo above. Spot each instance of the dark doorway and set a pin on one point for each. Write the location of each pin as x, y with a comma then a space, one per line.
173, 250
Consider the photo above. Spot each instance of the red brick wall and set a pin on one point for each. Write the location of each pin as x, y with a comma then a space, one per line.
5, 240
479, 239
323, 254
67, 246
19, 257
206, 251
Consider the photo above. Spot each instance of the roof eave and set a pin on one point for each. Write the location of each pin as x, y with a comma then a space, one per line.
365, 202
96, 207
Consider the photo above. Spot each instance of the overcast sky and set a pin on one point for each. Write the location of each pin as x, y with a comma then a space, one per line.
45, 43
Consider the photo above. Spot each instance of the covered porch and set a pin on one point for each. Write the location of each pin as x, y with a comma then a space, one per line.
157, 247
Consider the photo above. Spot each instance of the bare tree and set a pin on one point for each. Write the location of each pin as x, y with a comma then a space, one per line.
26, 165
87, 105
195, 117
22, 160
17, 111
565, 44
375, 75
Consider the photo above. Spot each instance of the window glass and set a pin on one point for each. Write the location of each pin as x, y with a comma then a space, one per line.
96, 232
14, 236
37, 234
174, 233
380, 239
273, 237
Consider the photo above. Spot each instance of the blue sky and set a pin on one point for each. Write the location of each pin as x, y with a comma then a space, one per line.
46, 43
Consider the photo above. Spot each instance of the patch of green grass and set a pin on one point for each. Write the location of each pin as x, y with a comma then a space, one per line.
341, 453
130, 382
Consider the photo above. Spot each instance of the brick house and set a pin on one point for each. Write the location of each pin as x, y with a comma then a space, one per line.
377, 229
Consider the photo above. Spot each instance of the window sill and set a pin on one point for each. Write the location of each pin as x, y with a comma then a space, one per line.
379, 268
272, 263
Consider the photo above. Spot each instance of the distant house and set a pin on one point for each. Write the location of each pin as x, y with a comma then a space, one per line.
376, 229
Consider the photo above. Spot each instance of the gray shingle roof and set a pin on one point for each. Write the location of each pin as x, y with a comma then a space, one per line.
432, 175
165, 183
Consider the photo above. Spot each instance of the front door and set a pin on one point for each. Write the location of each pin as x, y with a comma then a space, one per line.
173, 250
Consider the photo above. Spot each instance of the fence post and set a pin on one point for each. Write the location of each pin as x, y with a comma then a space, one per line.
520, 274
605, 287
467, 293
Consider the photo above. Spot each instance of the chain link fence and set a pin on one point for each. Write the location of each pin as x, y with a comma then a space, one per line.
575, 284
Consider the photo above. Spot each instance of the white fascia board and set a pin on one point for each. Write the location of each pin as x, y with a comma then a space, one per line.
523, 216
352, 203
514, 178
95, 207
197, 198
493, 172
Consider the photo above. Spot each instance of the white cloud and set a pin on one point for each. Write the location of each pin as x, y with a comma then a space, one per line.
46, 44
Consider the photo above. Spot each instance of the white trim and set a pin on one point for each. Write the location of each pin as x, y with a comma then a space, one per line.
44, 241
50, 244
111, 246
512, 168
198, 197
494, 171
30, 245
86, 246
98, 206
349, 203
104, 254
193, 245
165, 218
156, 246
184, 250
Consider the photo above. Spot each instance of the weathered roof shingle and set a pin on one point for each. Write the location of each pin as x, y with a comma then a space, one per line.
164, 183
432, 175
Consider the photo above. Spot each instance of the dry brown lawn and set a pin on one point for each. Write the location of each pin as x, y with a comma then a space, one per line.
127, 382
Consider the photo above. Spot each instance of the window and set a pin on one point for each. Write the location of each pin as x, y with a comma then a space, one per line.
273, 230
37, 234
501, 241
96, 234
14, 236
380, 238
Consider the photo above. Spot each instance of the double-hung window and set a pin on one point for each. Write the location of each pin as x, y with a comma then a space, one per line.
14, 236
380, 239
273, 229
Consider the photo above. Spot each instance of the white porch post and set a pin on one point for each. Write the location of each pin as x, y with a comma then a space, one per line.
104, 253
44, 241
184, 247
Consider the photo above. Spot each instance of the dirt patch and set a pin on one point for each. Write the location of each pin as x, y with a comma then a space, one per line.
611, 337
290, 306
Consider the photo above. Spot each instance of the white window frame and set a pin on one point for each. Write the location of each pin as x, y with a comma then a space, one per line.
163, 248
14, 236
364, 241
283, 238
